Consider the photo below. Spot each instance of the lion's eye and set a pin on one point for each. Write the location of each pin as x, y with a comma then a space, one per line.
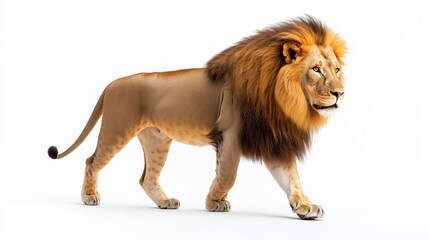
316, 69
337, 70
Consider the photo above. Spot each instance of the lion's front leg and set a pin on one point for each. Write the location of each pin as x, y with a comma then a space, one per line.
287, 177
228, 159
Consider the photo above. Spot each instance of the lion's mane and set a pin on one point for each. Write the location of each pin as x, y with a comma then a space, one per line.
254, 66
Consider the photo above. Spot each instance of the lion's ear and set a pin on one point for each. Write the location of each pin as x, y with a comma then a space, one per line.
291, 50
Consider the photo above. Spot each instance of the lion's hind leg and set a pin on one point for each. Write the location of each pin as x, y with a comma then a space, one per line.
106, 149
90, 194
115, 133
155, 145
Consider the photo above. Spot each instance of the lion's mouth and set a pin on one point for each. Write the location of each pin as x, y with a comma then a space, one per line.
318, 107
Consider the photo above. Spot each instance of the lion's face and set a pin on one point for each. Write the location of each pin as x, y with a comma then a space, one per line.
323, 84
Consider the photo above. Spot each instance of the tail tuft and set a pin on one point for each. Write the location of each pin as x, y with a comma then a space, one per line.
53, 152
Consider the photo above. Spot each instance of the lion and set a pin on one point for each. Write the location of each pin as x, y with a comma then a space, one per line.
260, 99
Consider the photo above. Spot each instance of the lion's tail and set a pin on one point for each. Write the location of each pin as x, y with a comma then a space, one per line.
96, 114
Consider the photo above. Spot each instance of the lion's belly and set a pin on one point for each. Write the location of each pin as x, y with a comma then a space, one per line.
196, 136
189, 124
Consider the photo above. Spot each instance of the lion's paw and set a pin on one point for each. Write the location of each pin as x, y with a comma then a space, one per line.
306, 210
309, 212
171, 203
218, 206
92, 200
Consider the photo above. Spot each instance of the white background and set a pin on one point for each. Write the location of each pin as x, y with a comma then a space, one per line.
368, 167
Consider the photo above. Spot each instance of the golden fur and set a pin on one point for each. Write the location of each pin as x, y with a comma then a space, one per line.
261, 99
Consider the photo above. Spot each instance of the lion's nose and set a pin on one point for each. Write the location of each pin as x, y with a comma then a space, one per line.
337, 94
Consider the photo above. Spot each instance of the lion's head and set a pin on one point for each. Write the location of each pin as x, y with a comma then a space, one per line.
288, 79
323, 84
312, 75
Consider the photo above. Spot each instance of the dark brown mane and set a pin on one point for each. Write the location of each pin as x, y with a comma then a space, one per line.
253, 66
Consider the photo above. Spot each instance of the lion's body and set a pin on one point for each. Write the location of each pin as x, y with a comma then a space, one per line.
257, 99
167, 101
